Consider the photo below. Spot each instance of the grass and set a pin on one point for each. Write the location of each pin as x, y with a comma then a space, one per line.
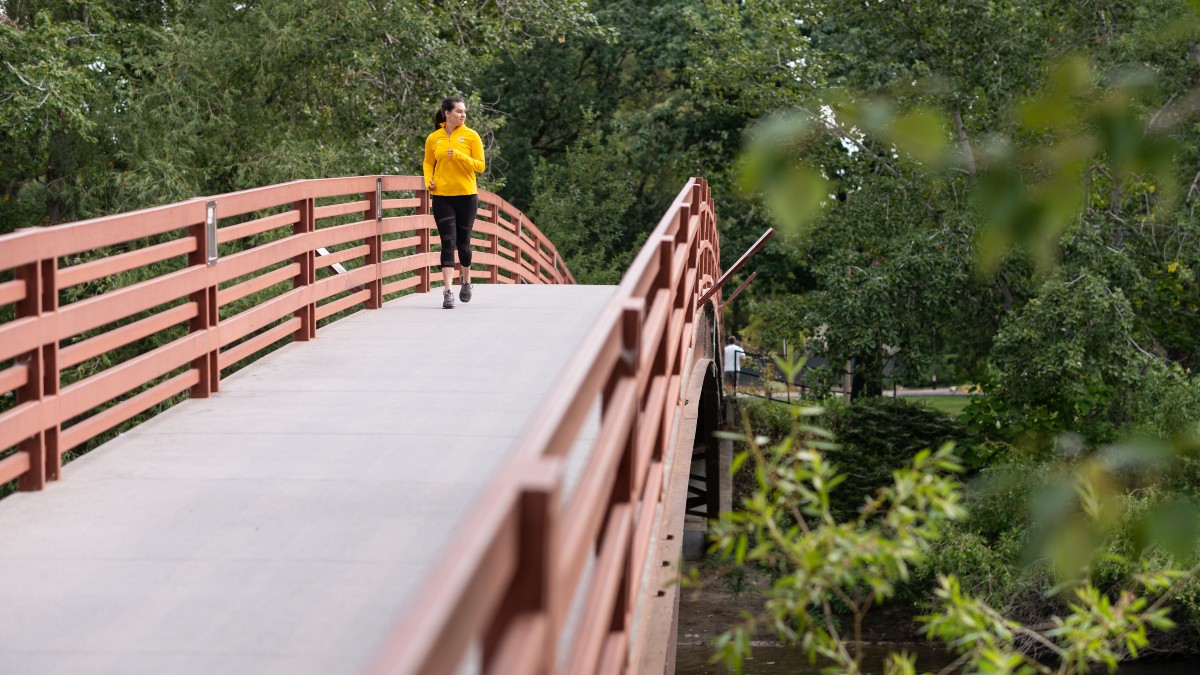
947, 404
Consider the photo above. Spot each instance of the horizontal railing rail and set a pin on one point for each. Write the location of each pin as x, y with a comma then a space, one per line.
509, 583
103, 320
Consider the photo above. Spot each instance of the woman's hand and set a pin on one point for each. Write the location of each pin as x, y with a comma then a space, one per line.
432, 186
450, 153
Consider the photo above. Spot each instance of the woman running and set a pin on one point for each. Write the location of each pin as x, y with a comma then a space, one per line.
453, 155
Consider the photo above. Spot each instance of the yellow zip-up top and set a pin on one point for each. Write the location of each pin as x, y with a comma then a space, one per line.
453, 175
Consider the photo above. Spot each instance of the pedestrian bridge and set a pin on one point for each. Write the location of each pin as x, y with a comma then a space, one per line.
358, 481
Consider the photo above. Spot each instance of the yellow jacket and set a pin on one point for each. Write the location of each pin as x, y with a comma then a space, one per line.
453, 175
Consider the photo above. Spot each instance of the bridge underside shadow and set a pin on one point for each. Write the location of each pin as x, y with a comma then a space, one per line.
282, 525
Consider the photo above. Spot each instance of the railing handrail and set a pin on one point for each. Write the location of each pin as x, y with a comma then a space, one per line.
14, 249
508, 580
387, 244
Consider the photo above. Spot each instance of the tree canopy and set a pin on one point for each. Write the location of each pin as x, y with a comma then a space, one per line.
109, 106
1053, 141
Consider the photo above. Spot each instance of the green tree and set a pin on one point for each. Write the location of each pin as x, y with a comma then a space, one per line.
583, 205
58, 96
893, 276
642, 79
112, 106
830, 573
1078, 169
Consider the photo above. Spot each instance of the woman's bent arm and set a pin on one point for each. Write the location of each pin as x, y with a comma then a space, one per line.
427, 165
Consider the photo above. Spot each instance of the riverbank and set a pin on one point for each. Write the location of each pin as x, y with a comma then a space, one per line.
719, 602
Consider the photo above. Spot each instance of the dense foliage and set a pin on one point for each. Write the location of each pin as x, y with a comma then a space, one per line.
997, 188
877, 436
1003, 190
1026, 566
945, 133
107, 106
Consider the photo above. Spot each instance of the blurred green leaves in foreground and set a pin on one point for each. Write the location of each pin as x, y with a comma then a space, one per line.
1029, 183
1051, 163
827, 573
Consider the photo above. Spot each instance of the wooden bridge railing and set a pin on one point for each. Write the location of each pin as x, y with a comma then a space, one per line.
506, 586
104, 319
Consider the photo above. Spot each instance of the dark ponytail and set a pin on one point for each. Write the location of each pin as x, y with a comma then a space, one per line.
439, 117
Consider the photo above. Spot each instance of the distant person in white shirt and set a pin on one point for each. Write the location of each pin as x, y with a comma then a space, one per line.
733, 361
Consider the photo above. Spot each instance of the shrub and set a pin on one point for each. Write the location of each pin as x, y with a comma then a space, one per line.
878, 436
989, 570
772, 419
1167, 401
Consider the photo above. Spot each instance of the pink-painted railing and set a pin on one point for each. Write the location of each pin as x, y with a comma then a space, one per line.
508, 582
185, 291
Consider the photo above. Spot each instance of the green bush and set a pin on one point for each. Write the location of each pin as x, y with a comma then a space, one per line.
878, 436
772, 419
1013, 509
999, 498
991, 570
1167, 401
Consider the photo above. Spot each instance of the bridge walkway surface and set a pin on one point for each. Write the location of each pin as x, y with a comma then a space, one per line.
282, 525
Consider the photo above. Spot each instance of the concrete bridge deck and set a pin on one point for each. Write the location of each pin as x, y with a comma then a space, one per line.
282, 525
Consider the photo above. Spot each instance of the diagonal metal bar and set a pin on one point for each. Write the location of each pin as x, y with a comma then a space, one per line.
337, 267
739, 289
762, 241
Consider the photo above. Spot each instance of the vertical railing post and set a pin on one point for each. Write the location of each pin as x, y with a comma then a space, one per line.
683, 300
517, 249
660, 366
536, 258
697, 196
424, 246
307, 276
34, 388
711, 224
679, 279
208, 364
693, 254
375, 245
626, 484
42, 383
666, 267
494, 245
627, 364
531, 589
51, 377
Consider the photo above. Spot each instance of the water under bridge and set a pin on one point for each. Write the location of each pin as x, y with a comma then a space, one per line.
358, 481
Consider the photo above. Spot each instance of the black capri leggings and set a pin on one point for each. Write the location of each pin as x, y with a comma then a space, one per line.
455, 216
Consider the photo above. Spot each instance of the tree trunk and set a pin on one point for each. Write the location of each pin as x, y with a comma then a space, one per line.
964, 143
868, 376
61, 166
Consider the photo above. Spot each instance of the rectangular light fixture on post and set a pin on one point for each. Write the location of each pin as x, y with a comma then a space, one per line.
210, 230
378, 199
